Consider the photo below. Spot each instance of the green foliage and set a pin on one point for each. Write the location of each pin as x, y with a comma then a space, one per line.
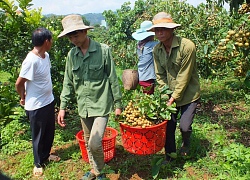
156, 164
15, 136
154, 106
4, 76
247, 80
16, 27
98, 34
8, 101
235, 156
120, 26
233, 4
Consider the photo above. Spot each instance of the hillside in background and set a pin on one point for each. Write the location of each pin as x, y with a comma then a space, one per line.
94, 18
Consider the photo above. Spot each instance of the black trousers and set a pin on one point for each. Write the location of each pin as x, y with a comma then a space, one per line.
42, 124
186, 119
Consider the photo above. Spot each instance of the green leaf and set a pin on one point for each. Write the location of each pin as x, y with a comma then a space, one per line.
156, 165
247, 79
173, 155
163, 115
205, 49
172, 109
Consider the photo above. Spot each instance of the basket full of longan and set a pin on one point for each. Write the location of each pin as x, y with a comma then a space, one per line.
144, 121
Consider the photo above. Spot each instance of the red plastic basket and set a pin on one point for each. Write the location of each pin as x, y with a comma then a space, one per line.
108, 143
143, 141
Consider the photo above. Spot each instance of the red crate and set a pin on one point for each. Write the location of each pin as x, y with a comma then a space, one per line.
143, 141
108, 143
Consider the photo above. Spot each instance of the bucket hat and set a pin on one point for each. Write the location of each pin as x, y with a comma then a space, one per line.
142, 33
164, 20
72, 23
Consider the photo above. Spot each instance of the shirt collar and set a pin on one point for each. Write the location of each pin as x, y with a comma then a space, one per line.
175, 43
91, 48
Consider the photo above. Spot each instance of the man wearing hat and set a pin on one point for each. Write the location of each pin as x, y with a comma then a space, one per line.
175, 66
90, 75
145, 48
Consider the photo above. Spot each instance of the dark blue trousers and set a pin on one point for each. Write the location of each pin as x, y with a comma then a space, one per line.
186, 119
42, 124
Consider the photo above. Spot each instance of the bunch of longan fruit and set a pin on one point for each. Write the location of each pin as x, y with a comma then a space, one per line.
245, 8
132, 116
241, 37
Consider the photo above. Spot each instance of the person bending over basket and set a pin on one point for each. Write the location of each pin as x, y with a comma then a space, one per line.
175, 66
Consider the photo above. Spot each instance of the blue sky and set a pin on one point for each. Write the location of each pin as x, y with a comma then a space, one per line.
64, 7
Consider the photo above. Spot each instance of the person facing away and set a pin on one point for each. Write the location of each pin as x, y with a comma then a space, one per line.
90, 75
145, 47
34, 86
175, 66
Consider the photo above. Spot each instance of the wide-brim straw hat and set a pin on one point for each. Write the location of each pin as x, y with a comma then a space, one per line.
142, 33
73, 23
165, 22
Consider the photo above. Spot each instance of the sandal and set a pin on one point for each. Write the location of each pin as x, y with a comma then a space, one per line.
54, 158
37, 171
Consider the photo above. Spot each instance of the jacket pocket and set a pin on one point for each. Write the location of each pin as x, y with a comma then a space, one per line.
96, 72
176, 65
76, 73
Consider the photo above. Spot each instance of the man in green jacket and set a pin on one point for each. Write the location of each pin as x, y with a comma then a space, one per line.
175, 66
90, 75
